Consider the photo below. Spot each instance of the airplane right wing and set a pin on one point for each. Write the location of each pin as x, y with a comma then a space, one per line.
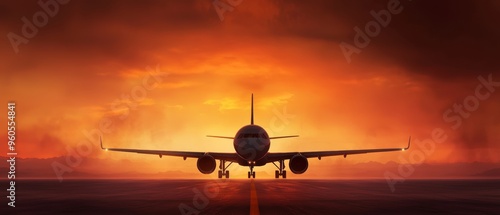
185, 154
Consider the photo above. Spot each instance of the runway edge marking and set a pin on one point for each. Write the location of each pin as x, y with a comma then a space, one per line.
254, 202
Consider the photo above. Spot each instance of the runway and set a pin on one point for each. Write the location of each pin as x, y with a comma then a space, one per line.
255, 197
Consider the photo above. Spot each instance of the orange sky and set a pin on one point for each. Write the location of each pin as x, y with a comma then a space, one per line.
77, 70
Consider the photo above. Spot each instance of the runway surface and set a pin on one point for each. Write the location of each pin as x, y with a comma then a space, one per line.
254, 197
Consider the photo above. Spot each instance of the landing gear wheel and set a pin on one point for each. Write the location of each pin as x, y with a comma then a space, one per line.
248, 174
253, 174
281, 169
223, 169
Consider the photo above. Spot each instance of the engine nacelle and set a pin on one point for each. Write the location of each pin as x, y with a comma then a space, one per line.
298, 164
206, 164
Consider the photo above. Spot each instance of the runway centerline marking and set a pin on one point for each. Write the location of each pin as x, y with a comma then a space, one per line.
254, 202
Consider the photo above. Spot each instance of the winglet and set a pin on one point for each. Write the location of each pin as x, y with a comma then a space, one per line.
408, 147
251, 120
100, 140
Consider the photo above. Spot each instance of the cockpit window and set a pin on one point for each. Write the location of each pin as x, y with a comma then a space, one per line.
253, 135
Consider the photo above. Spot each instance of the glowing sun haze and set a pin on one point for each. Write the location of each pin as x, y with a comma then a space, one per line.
85, 64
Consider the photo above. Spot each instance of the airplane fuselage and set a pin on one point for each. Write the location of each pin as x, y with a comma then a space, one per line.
251, 143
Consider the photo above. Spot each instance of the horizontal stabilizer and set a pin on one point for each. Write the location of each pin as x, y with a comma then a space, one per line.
278, 137
220, 137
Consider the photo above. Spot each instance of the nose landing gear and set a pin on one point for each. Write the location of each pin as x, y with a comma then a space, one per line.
251, 173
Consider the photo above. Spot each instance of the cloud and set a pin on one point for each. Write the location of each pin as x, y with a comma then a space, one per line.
285, 52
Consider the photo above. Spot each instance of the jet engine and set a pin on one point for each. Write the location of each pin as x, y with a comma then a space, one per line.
206, 164
298, 164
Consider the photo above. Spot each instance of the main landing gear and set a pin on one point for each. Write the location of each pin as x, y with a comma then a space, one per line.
251, 173
281, 170
223, 169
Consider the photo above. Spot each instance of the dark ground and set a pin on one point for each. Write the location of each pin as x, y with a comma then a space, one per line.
274, 197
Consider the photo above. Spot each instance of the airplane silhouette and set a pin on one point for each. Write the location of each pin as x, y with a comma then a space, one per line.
251, 144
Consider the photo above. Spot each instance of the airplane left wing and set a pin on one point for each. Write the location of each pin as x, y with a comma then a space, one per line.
277, 156
185, 154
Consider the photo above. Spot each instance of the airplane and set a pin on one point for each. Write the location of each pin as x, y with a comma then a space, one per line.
251, 144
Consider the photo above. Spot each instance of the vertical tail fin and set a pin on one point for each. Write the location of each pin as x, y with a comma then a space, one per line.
251, 119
